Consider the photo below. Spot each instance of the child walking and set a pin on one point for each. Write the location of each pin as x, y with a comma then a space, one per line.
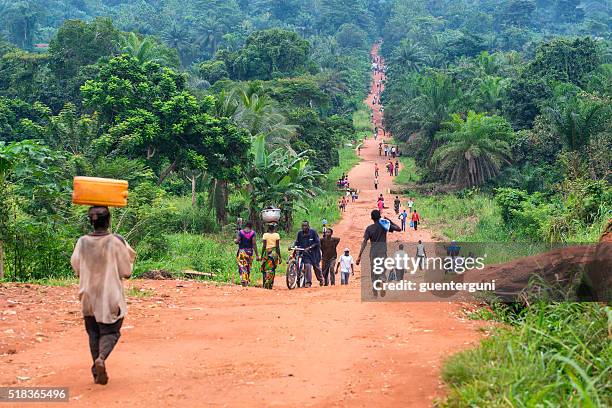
101, 260
346, 265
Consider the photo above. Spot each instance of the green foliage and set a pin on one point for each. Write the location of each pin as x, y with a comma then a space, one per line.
282, 180
78, 44
565, 60
554, 354
267, 54
350, 36
212, 71
148, 50
475, 150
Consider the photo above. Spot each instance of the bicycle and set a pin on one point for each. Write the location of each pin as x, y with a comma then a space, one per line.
295, 269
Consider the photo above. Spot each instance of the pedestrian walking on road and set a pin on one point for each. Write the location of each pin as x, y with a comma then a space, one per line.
415, 219
270, 255
308, 239
396, 204
421, 254
101, 260
396, 168
329, 243
247, 245
376, 234
403, 216
375, 183
346, 266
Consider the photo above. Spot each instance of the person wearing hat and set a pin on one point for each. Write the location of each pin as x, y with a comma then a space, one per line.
346, 265
100, 260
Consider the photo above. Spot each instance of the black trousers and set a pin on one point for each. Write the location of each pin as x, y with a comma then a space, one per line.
329, 271
102, 337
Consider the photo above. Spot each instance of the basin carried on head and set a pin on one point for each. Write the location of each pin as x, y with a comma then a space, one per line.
270, 214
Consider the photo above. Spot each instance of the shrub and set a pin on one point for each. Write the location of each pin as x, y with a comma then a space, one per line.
509, 199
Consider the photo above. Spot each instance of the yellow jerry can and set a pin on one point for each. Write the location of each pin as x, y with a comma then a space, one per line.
100, 192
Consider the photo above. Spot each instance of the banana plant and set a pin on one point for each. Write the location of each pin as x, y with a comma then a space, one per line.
281, 178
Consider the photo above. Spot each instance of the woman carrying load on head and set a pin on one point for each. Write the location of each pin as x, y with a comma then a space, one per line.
244, 257
270, 255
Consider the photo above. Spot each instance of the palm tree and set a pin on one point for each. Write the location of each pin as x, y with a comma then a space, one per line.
409, 56
475, 149
143, 49
178, 38
258, 114
438, 96
490, 92
576, 121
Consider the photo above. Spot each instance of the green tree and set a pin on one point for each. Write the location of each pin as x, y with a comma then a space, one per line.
282, 179
268, 53
212, 71
409, 56
78, 43
577, 119
350, 36
475, 149
148, 50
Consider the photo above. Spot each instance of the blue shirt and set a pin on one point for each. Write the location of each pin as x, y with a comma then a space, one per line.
313, 256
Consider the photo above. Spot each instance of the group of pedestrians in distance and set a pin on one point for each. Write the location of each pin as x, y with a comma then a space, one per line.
391, 167
411, 215
319, 255
392, 151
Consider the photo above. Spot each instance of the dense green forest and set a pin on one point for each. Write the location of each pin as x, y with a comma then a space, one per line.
206, 106
210, 110
511, 99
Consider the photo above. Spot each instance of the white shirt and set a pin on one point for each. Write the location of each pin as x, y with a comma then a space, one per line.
420, 250
345, 263
410, 204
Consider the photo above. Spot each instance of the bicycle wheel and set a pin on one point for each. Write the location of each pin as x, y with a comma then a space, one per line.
292, 275
301, 277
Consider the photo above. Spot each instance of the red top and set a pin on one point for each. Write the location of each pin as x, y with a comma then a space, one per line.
415, 217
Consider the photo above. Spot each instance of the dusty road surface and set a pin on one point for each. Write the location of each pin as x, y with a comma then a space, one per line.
189, 344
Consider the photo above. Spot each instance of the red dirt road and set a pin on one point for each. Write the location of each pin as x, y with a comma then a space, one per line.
190, 344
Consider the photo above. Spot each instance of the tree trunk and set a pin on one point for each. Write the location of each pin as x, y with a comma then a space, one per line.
288, 218
1, 260
167, 172
221, 200
193, 191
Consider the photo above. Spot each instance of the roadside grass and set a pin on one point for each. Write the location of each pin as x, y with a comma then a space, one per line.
544, 355
51, 281
408, 171
361, 120
551, 355
213, 254
470, 219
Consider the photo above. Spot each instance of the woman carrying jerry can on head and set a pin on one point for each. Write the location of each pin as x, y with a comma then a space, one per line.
100, 260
